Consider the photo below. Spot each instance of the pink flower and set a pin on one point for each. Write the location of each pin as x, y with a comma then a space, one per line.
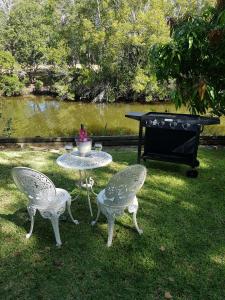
83, 134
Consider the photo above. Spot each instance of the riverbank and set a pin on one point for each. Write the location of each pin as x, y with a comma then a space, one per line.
52, 96
110, 141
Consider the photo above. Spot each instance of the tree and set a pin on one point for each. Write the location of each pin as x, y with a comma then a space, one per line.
111, 39
7, 62
10, 84
92, 47
195, 59
27, 34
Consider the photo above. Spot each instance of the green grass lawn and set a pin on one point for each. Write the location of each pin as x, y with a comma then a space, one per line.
182, 250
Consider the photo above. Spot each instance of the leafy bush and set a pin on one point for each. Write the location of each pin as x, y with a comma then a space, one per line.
25, 80
63, 91
7, 62
10, 85
38, 86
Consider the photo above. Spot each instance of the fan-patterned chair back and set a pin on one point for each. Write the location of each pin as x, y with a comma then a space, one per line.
123, 186
38, 187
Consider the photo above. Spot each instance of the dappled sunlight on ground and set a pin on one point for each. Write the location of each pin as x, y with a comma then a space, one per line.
219, 259
187, 205
182, 249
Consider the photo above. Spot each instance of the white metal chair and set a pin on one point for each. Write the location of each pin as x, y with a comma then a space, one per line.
120, 194
43, 196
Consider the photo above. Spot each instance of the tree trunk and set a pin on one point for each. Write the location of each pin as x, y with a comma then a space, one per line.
220, 4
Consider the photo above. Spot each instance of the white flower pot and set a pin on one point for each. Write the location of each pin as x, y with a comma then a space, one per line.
84, 147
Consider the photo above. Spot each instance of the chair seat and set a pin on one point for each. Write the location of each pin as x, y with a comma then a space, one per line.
132, 206
62, 196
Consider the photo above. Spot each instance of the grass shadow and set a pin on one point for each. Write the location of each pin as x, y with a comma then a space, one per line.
181, 251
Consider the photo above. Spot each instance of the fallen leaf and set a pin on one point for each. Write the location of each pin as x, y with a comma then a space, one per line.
58, 263
162, 248
37, 257
201, 89
167, 295
17, 253
171, 279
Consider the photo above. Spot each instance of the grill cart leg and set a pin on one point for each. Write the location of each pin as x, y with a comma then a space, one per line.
193, 173
140, 143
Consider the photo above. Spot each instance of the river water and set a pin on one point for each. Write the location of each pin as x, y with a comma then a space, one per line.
43, 116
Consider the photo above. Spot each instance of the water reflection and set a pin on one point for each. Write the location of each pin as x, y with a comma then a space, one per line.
43, 116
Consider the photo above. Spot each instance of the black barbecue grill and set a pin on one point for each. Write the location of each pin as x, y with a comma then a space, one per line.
171, 137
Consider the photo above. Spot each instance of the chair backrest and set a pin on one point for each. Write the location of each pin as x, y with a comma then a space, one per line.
38, 187
124, 185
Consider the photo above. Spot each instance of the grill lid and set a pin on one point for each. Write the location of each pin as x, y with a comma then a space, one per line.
173, 117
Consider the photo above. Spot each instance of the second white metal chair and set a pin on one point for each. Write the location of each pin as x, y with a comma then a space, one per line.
120, 194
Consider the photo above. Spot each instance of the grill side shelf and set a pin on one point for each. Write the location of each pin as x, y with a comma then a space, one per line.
135, 115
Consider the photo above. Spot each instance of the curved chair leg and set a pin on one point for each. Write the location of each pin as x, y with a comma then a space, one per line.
140, 231
31, 212
55, 224
70, 213
111, 221
98, 214
88, 196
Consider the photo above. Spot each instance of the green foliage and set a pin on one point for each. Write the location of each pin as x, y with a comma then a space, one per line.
195, 59
28, 33
102, 44
63, 90
10, 85
140, 81
38, 85
57, 56
115, 38
7, 62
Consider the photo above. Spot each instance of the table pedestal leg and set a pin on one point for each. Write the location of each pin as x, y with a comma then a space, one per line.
88, 196
86, 182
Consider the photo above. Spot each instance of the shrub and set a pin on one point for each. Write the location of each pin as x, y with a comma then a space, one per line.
10, 85
7, 62
38, 86
63, 91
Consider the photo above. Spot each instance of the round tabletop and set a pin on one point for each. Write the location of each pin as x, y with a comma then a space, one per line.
92, 160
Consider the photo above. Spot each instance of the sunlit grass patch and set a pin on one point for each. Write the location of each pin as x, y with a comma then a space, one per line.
187, 205
181, 249
218, 259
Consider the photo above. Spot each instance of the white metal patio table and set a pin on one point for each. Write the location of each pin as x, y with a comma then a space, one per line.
92, 160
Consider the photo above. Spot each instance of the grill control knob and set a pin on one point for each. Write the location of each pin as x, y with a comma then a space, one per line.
155, 122
149, 122
173, 124
186, 125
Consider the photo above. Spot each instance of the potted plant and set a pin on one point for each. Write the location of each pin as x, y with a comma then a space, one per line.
83, 142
